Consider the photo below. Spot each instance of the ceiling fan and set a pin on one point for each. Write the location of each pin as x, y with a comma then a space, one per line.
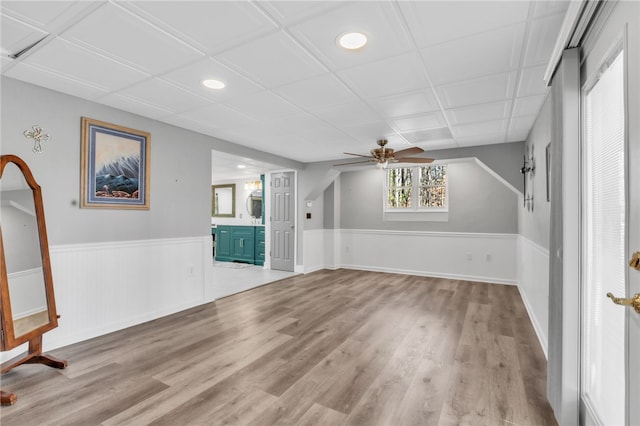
383, 156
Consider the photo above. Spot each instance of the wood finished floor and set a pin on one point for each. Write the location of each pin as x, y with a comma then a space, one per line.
327, 348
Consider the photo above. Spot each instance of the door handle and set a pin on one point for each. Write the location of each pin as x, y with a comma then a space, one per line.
634, 302
635, 261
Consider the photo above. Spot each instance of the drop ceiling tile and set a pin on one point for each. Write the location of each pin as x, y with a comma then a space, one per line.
65, 58
208, 25
517, 135
379, 21
355, 112
298, 123
135, 42
490, 53
434, 22
47, 15
194, 126
16, 35
387, 77
264, 105
369, 133
542, 39
164, 95
480, 128
532, 81
482, 112
420, 122
191, 76
316, 92
263, 59
132, 105
437, 144
522, 123
53, 81
439, 134
478, 91
218, 116
403, 104
527, 105
481, 140
287, 12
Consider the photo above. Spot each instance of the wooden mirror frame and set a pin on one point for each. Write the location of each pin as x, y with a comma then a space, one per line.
233, 200
8, 338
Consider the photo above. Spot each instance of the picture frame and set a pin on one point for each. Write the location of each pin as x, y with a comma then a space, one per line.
115, 166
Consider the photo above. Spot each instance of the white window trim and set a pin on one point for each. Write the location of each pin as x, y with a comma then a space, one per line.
414, 213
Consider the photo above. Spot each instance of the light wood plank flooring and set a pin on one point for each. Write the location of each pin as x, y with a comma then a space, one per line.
327, 348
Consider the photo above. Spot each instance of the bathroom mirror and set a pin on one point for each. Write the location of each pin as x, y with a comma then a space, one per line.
26, 284
223, 200
254, 204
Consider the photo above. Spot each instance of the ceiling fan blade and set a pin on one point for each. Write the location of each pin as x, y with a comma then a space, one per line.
409, 151
414, 160
356, 162
358, 155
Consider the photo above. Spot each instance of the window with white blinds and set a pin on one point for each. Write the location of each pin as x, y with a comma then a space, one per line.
604, 265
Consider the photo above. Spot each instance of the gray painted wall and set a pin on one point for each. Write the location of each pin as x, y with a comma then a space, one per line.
534, 225
180, 183
478, 202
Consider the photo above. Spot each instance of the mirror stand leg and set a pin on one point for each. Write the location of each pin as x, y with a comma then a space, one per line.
35, 350
7, 398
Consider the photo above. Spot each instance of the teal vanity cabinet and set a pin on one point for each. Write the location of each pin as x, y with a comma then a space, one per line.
240, 244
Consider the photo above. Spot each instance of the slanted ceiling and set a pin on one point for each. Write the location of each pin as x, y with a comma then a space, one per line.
435, 74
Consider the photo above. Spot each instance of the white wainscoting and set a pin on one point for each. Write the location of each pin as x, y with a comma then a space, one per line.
101, 288
437, 254
533, 283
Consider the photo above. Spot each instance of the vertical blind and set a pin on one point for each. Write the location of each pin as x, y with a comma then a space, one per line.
604, 266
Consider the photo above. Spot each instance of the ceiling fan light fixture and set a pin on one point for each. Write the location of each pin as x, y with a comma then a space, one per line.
383, 165
352, 41
213, 84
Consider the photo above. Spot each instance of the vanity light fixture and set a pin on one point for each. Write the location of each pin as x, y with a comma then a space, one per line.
352, 41
213, 84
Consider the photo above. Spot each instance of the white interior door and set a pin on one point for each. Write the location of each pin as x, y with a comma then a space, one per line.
282, 221
610, 352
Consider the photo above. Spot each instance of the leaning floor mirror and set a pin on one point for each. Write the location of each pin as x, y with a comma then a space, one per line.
26, 285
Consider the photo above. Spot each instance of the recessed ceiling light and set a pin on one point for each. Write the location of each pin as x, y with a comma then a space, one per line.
213, 84
352, 41
241, 166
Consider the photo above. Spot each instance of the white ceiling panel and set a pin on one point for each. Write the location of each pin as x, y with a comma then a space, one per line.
437, 73
350, 113
119, 34
68, 59
263, 105
133, 105
16, 35
418, 122
541, 40
263, 60
483, 112
437, 144
480, 128
406, 103
478, 91
434, 22
209, 26
164, 95
490, 53
387, 77
53, 81
529, 105
379, 21
530, 81
317, 92
191, 77
218, 116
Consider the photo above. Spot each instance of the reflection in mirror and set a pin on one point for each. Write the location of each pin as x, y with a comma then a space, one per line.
223, 198
21, 243
254, 204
